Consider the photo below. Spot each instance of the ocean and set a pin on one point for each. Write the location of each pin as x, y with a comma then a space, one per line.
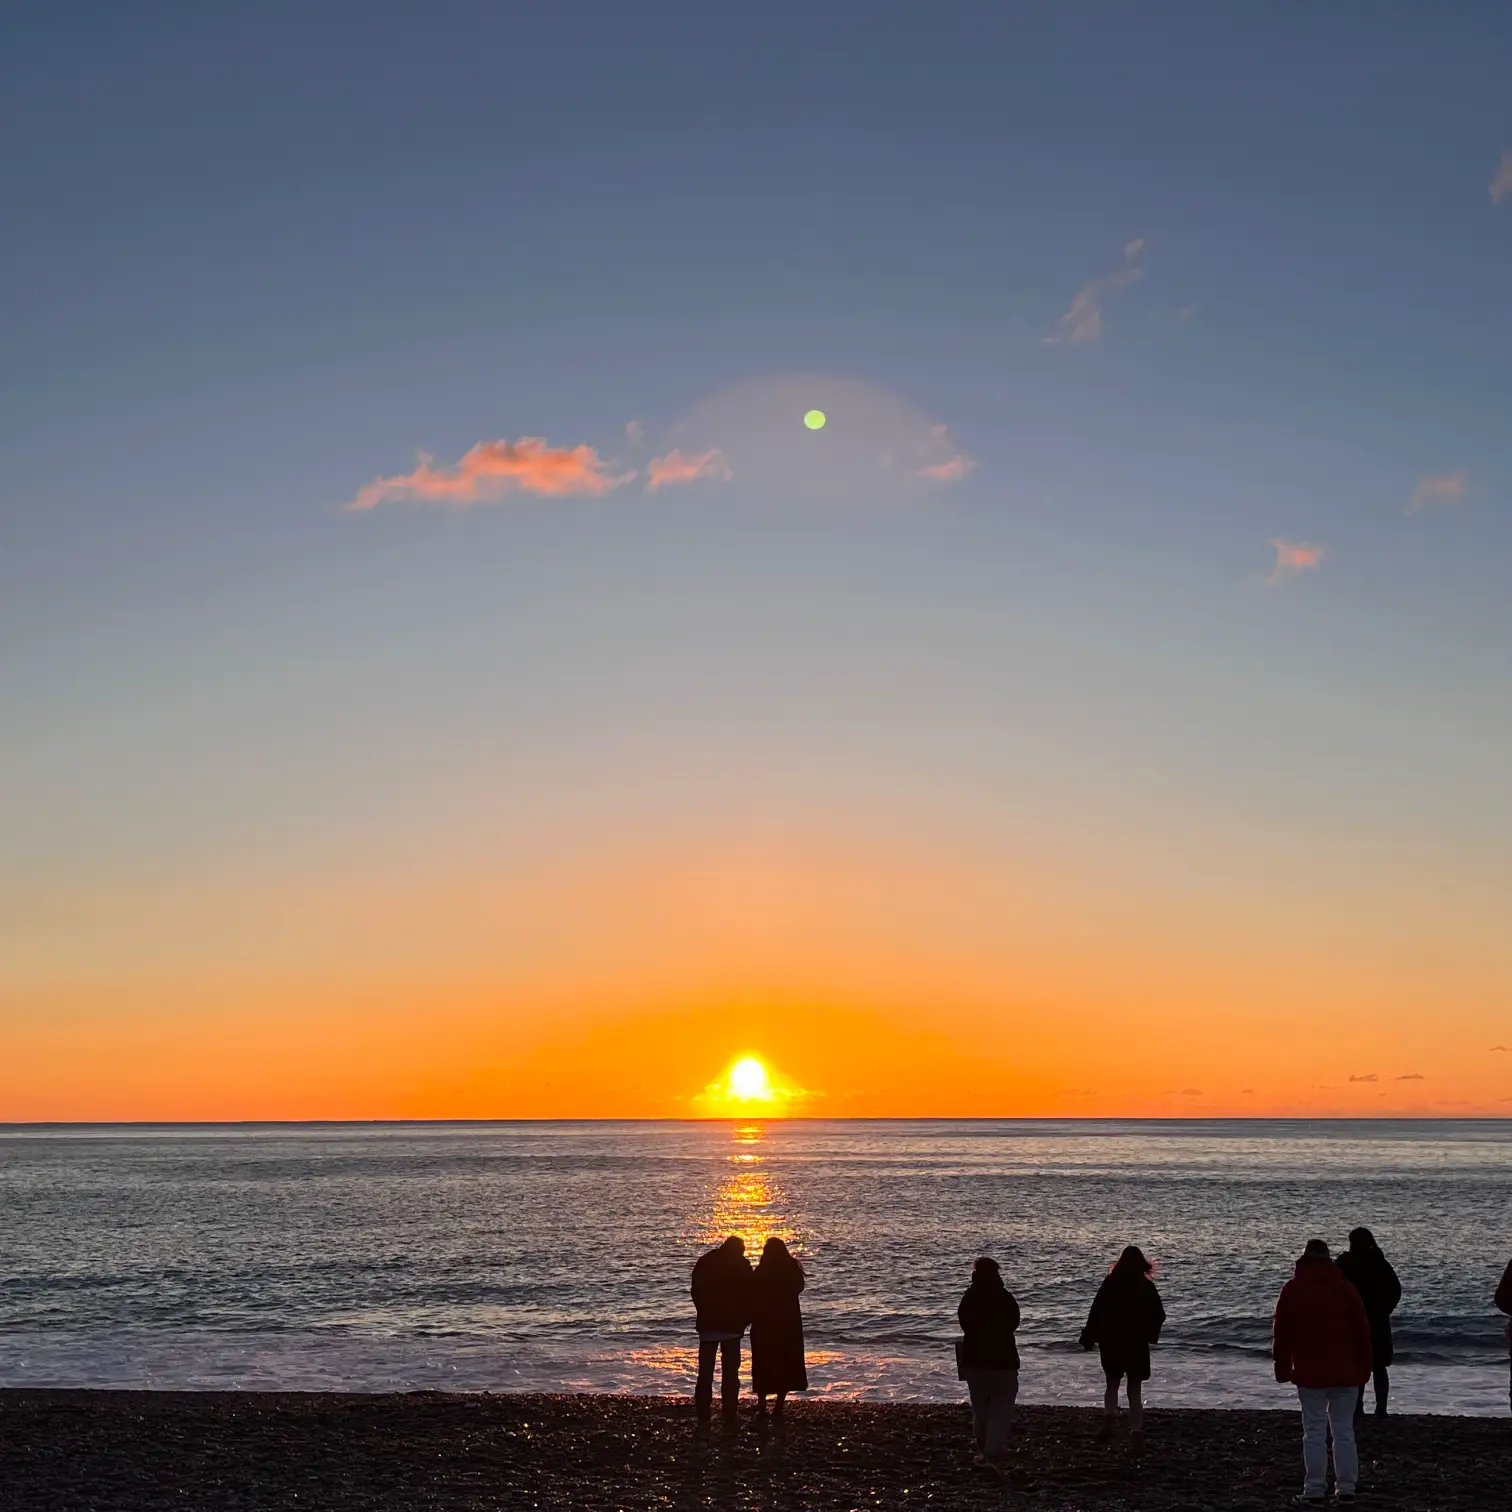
555, 1256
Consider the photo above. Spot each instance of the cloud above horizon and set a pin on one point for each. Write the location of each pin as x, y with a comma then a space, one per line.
1369, 1077
684, 467
1439, 489
1501, 180
1081, 325
1412, 1076
1293, 557
492, 469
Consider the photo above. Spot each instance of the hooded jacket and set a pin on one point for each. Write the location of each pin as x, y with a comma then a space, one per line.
1320, 1335
988, 1316
1370, 1273
722, 1291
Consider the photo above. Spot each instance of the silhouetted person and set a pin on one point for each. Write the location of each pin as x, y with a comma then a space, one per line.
1125, 1320
1321, 1342
1504, 1304
989, 1357
1370, 1273
777, 1365
722, 1287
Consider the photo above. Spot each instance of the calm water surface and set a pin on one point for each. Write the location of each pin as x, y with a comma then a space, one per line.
556, 1256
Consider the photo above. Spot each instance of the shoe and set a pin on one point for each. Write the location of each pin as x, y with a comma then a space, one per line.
1344, 1498
1306, 1501
1136, 1443
1105, 1430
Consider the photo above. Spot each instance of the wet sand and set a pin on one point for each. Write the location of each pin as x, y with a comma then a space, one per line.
108, 1451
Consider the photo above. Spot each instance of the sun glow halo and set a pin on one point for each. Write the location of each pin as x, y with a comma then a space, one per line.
749, 1081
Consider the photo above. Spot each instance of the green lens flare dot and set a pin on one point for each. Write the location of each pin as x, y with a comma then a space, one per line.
814, 419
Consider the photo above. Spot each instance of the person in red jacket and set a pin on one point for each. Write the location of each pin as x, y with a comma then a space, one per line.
1503, 1303
1321, 1343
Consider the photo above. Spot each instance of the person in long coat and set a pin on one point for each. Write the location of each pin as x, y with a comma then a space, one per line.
1125, 1320
777, 1364
1370, 1273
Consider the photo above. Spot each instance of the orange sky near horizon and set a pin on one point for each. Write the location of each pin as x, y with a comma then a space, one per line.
883, 982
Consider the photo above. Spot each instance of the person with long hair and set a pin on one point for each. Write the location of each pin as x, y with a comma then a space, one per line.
777, 1363
1125, 1320
1368, 1270
988, 1357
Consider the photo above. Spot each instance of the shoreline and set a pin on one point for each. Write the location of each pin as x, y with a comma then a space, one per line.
138, 1451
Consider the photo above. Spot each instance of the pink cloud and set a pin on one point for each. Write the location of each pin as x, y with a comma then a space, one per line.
686, 467
950, 471
1439, 488
1082, 323
1501, 181
494, 468
1293, 557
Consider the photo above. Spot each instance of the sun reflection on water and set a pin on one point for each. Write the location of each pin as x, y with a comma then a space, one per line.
749, 1200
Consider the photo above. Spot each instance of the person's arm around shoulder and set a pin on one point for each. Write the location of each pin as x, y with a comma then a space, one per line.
1283, 1334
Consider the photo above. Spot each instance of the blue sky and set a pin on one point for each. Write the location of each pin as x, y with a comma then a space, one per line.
257, 257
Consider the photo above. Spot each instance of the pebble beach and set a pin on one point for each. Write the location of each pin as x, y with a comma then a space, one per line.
128, 1451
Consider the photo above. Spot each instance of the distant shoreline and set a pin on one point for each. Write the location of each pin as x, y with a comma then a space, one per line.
137, 1451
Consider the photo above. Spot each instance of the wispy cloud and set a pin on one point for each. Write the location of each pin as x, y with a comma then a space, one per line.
495, 468
1439, 489
635, 431
1082, 323
1412, 1076
1501, 180
1505, 1049
1370, 1077
951, 470
687, 467
1293, 557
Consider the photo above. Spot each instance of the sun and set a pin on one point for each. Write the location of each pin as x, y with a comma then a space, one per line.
749, 1088
749, 1081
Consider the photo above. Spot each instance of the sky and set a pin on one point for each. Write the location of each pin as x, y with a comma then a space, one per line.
442, 675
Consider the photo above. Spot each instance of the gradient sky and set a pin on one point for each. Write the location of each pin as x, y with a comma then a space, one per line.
1108, 712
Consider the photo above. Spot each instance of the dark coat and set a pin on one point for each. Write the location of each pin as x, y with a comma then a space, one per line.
1370, 1273
722, 1287
777, 1362
1125, 1320
1504, 1300
1320, 1335
988, 1316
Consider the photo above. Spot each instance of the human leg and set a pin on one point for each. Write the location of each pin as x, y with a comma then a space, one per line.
703, 1391
1382, 1389
1110, 1404
1002, 1395
978, 1390
1314, 1403
729, 1375
1136, 1406
1346, 1459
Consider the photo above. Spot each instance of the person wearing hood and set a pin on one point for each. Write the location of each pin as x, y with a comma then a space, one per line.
1370, 1273
1125, 1320
988, 1357
1320, 1342
722, 1297
1503, 1303
777, 1363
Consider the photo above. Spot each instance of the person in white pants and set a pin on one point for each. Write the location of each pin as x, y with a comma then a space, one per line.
1321, 1343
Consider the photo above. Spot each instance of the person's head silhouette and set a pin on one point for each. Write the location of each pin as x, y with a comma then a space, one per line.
735, 1244
1132, 1263
1361, 1239
984, 1272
